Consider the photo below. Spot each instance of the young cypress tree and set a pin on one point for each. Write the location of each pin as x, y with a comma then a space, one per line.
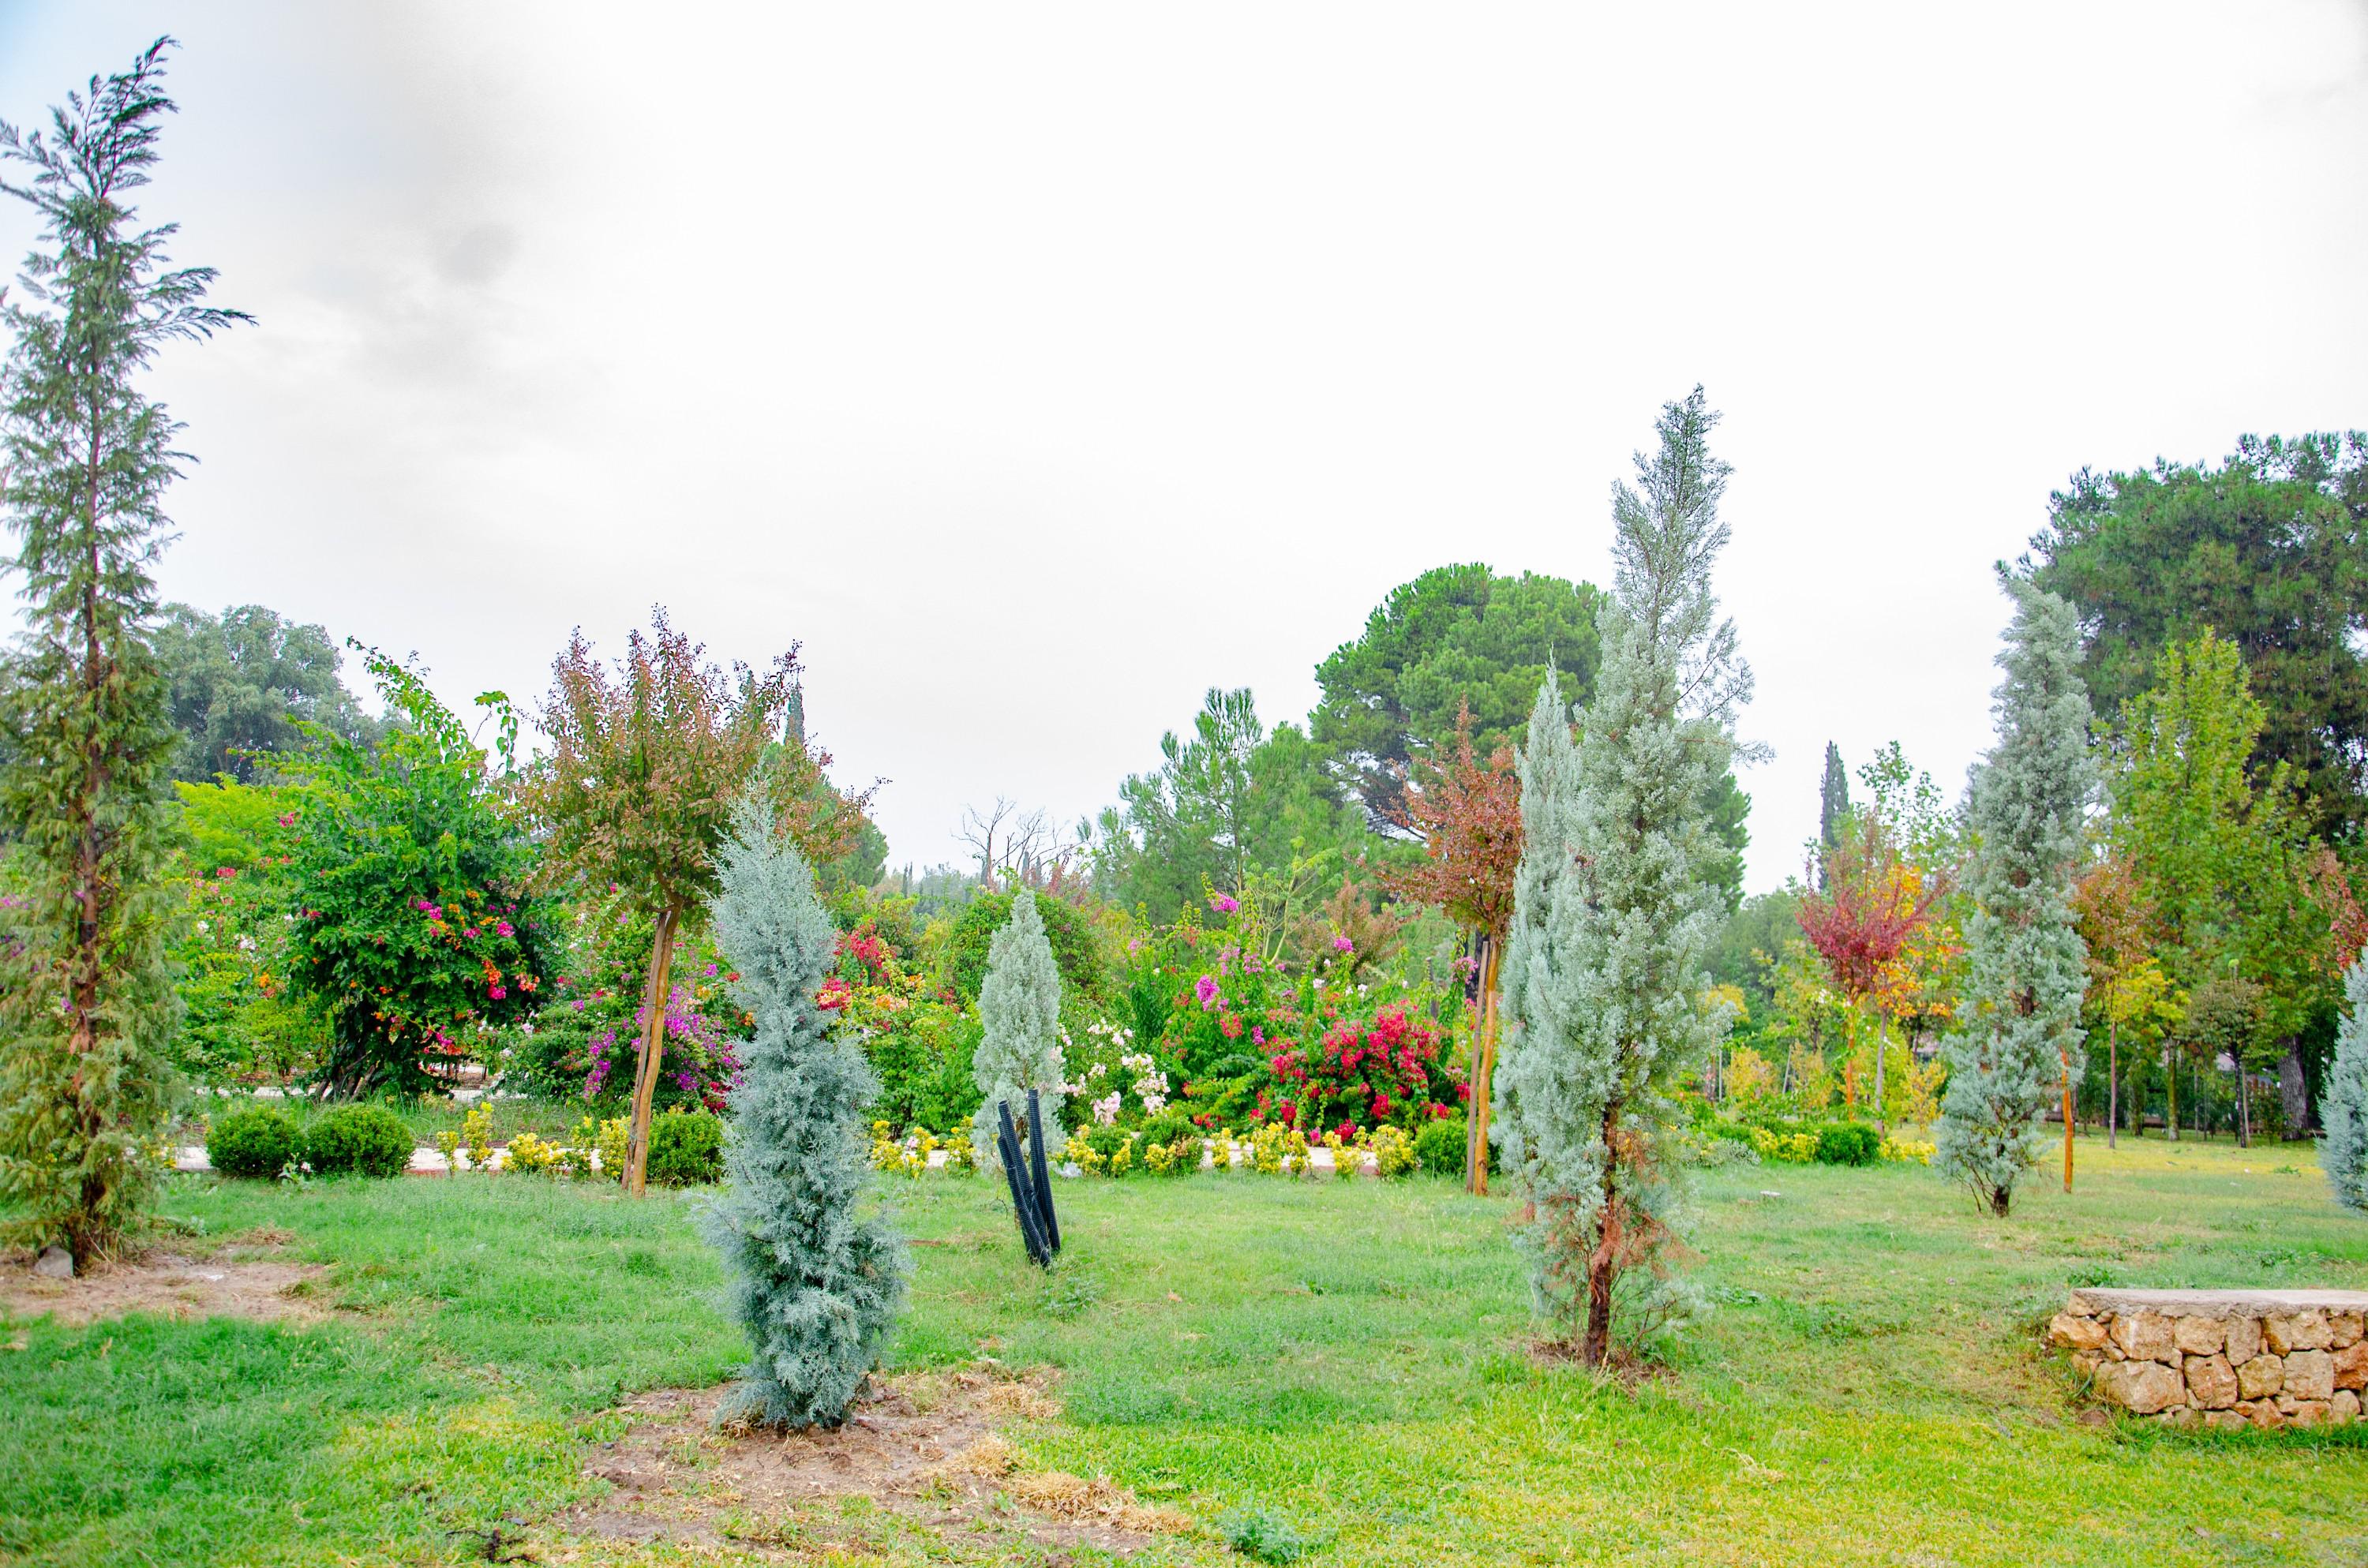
1614, 904
1019, 1003
2343, 1100
2026, 968
816, 1286
85, 723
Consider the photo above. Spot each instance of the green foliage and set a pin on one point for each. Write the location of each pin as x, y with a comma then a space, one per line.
1229, 805
245, 684
1833, 804
86, 1002
2026, 968
1265, 1535
2265, 550
2343, 1103
1455, 634
923, 1057
261, 1141
1440, 1146
243, 1015
1849, 1143
814, 1283
1614, 909
363, 1140
687, 1148
1019, 1018
413, 919
1077, 946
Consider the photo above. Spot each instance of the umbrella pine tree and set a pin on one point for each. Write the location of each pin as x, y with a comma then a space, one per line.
816, 1285
1020, 1005
86, 1002
2026, 968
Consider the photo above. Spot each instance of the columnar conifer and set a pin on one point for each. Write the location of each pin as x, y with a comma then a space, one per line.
86, 1004
1019, 1008
2026, 966
1614, 909
816, 1285
2343, 1102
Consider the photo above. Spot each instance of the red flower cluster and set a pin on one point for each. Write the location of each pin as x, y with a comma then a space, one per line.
1372, 1073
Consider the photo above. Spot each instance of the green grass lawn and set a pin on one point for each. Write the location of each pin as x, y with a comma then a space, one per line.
1351, 1357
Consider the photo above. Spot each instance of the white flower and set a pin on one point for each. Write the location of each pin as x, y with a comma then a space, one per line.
204, 926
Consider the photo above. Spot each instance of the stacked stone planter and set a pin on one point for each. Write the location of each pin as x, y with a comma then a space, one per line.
2223, 1358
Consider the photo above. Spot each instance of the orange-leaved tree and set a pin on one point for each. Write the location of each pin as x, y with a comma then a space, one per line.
1864, 922
647, 762
1469, 814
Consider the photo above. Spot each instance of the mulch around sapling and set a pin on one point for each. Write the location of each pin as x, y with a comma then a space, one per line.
924, 1448
243, 1280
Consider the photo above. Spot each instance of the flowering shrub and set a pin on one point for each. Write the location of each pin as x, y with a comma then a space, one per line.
1907, 1150
1385, 1069
1394, 1154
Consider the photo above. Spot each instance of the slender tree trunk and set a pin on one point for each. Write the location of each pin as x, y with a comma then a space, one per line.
1882, 1046
2064, 1062
1484, 1055
1602, 1272
2171, 1096
645, 1075
2244, 1107
2112, 1084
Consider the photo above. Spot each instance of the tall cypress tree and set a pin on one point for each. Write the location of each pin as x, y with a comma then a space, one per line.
1615, 904
2027, 968
1020, 1006
88, 735
1832, 807
2343, 1102
816, 1286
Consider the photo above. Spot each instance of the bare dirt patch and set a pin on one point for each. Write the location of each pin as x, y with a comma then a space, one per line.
924, 1452
240, 1281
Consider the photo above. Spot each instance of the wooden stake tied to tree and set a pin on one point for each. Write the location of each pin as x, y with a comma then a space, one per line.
1469, 814
646, 763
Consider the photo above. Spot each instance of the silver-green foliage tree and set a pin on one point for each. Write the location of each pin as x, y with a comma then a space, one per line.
1615, 902
86, 1005
2026, 968
1020, 1006
2343, 1099
816, 1284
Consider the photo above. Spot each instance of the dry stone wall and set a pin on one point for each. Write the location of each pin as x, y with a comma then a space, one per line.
2222, 1358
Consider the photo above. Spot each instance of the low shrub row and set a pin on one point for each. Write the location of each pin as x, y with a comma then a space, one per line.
1829, 1143
266, 1141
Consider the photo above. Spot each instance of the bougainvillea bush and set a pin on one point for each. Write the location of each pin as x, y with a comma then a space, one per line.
916, 1035
412, 924
243, 1017
585, 1041
1247, 1036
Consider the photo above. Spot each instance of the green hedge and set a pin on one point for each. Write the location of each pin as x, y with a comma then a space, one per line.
365, 1139
257, 1142
687, 1149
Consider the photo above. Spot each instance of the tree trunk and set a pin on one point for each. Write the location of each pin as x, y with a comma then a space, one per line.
2112, 1084
645, 1075
1484, 1066
2171, 1095
2063, 1063
2244, 1106
1602, 1269
1882, 1045
2294, 1092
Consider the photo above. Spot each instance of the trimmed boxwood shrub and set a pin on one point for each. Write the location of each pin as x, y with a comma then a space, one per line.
261, 1141
1849, 1143
1439, 1145
367, 1140
687, 1148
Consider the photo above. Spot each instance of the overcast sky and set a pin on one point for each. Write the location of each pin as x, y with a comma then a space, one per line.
1038, 368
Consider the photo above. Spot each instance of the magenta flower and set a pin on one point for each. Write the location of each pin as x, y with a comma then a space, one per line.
504, 928
1224, 903
1205, 988
497, 992
1342, 945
